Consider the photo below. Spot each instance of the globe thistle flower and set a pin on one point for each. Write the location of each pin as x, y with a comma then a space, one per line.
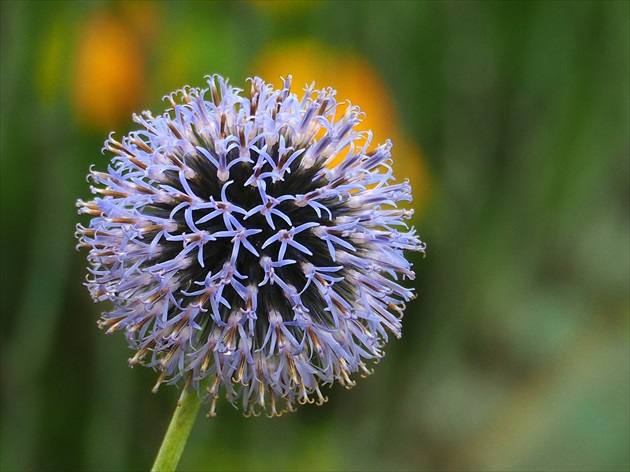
237, 259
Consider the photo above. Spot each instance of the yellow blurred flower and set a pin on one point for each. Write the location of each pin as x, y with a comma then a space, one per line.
355, 80
109, 70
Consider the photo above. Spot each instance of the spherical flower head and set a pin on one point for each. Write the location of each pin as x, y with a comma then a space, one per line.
237, 258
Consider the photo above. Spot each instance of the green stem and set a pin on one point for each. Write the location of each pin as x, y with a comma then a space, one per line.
177, 433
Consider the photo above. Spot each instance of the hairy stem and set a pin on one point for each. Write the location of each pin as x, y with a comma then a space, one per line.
177, 433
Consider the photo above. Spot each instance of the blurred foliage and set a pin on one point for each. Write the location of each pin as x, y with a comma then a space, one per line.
515, 354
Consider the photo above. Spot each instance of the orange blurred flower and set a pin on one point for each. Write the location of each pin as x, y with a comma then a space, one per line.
110, 68
355, 80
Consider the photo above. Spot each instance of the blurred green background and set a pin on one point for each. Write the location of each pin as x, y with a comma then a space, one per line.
511, 121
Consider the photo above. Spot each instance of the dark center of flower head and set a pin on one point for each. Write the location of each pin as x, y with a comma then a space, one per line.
250, 243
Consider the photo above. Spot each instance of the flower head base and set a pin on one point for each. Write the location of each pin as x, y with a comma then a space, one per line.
236, 257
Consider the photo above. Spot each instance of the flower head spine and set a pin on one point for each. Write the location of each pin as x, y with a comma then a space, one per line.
237, 258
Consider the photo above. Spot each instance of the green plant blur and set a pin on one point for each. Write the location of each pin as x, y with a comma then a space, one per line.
515, 354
